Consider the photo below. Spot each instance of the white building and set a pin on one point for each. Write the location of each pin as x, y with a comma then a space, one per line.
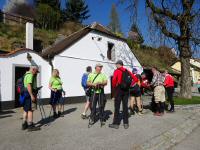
194, 69
13, 66
93, 44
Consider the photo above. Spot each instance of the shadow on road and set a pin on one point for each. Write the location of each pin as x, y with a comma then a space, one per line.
6, 116
48, 120
147, 107
68, 111
45, 122
105, 117
107, 114
6, 113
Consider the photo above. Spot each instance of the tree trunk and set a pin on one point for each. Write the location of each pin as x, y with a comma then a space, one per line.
186, 91
186, 80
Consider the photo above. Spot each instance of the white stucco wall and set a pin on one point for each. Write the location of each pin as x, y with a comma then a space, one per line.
7, 74
87, 52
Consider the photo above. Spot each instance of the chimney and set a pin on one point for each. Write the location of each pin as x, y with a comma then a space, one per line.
29, 35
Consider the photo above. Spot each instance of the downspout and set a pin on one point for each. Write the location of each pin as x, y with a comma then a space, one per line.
50, 62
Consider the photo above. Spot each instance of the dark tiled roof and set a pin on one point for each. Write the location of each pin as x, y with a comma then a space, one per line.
71, 39
3, 52
16, 51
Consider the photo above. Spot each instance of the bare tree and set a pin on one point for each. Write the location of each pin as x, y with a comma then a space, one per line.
178, 20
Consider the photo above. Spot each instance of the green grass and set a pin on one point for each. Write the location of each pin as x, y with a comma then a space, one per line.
11, 35
182, 101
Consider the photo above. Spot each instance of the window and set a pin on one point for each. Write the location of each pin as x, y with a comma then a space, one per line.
111, 52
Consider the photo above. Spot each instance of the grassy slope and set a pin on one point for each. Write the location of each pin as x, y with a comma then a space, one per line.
161, 57
14, 36
149, 58
182, 101
10, 36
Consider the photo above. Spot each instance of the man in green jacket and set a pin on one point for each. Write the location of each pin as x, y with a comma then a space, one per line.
97, 81
29, 105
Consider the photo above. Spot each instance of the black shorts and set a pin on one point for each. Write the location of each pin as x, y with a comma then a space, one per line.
135, 91
61, 101
55, 97
27, 105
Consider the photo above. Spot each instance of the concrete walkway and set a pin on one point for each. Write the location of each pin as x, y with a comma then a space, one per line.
192, 142
72, 133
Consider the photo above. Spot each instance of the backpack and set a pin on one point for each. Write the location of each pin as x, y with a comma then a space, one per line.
126, 80
84, 80
20, 85
21, 89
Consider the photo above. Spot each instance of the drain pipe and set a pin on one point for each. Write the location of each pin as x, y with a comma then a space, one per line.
50, 62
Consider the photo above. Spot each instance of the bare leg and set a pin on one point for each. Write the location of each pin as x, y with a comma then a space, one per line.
30, 117
54, 108
25, 114
60, 110
132, 102
55, 115
24, 122
59, 107
139, 103
87, 106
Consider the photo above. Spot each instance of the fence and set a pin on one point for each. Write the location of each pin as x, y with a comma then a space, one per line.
13, 18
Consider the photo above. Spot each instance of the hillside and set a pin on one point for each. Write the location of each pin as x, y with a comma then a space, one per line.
161, 57
13, 36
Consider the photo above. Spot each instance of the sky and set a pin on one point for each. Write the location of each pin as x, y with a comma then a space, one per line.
100, 12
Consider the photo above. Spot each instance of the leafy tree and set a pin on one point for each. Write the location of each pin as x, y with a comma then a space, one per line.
48, 14
53, 3
47, 17
179, 21
76, 10
114, 24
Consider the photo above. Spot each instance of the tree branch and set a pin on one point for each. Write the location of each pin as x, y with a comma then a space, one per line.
195, 40
163, 11
187, 3
161, 23
163, 5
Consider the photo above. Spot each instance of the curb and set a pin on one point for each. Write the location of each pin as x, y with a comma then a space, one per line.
174, 136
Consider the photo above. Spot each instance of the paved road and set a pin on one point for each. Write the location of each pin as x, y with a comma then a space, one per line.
192, 142
72, 133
